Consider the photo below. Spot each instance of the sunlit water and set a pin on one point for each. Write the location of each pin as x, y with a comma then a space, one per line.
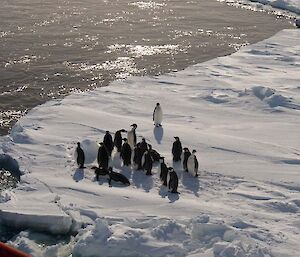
51, 48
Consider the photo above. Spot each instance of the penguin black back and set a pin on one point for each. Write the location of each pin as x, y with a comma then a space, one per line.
177, 150
80, 156
173, 182
108, 142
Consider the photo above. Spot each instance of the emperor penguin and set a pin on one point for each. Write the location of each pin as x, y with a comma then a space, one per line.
186, 155
126, 153
147, 162
99, 172
163, 171
173, 182
118, 139
131, 136
80, 156
157, 115
154, 154
108, 142
118, 177
137, 156
192, 164
144, 145
103, 156
177, 150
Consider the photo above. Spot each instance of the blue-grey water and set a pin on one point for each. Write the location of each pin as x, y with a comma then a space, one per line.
51, 48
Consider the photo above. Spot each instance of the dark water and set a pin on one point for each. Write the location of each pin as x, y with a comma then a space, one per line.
51, 48
7, 180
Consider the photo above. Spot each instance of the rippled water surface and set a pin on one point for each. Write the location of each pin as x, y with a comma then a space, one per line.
51, 48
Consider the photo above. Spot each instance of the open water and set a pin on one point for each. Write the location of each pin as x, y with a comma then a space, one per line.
51, 48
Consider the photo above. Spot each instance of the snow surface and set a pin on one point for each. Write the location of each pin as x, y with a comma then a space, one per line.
242, 115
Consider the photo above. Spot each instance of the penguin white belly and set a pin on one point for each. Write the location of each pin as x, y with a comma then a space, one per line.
130, 139
168, 178
191, 165
159, 168
158, 116
143, 160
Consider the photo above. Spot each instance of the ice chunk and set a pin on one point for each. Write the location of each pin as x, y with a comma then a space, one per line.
45, 217
170, 230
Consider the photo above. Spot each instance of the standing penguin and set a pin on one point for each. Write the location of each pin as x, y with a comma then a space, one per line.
192, 164
118, 139
144, 145
163, 171
131, 136
80, 156
126, 153
177, 150
108, 142
138, 155
103, 156
157, 115
186, 155
173, 182
147, 163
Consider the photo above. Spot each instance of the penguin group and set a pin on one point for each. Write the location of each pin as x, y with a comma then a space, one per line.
140, 156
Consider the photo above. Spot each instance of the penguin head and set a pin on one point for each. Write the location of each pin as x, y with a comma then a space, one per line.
194, 151
176, 138
123, 130
170, 169
143, 139
133, 125
109, 170
185, 149
161, 159
124, 139
78, 144
107, 131
157, 104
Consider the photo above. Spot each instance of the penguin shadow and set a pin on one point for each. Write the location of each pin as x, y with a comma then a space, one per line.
177, 166
191, 183
102, 180
126, 171
78, 175
140, 180
158, 134
173, 197
163, 191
